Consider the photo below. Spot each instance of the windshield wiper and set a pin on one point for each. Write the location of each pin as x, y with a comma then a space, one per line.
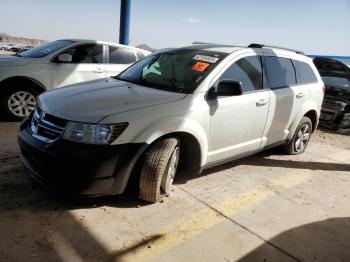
17, 54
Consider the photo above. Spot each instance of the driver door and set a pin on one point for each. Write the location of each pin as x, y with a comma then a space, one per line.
86, 63
237, 122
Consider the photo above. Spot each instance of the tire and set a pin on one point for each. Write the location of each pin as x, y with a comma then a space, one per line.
297, 145
159, 169
344, 123
24, 95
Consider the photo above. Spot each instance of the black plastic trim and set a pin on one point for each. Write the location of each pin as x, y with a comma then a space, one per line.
72, 167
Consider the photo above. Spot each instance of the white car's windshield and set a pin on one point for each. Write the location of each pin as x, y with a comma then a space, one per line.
180, 70
45, 49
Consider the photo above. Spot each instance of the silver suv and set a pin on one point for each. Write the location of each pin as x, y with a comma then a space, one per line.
178, 110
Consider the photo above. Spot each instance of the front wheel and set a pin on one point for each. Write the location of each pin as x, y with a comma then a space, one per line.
301, 137
18, 103
159, 169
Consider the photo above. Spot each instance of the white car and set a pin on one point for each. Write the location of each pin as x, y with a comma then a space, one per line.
180, 110
3, 46
56, 64
6, 47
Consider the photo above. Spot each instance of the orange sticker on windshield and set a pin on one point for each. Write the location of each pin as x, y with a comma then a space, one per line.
200, 66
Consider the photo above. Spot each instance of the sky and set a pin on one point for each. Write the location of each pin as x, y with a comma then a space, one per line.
313, 26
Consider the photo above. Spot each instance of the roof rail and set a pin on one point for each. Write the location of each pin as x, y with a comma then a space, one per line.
254, 45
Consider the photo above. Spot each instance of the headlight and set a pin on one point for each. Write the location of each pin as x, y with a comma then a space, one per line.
93, 134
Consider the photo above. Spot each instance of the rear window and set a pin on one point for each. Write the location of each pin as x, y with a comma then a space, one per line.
305, 74
140, 55
121, 55
280, 72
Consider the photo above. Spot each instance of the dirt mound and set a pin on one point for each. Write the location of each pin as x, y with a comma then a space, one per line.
5, 38
146, 47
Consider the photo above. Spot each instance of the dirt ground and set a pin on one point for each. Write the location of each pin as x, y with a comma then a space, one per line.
267, 207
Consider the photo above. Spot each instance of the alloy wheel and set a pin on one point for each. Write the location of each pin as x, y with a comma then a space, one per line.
169, 175
302, 138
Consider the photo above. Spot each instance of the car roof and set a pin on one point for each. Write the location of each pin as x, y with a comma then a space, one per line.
214, 47
99, 42
233, 48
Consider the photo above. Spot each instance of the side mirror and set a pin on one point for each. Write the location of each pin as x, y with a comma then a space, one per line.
227, 88
65, 58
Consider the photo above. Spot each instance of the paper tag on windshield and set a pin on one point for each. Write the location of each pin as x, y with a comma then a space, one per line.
200, 66
206, 58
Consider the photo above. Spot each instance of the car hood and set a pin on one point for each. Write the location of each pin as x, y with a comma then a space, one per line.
94, 100
9, 60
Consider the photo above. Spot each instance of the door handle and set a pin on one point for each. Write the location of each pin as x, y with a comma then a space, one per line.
98, 70
300, 95
262, 102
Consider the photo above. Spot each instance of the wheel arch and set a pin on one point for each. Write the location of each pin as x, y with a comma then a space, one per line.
190, 157
34, 83
191, 151
312, 114
310, 109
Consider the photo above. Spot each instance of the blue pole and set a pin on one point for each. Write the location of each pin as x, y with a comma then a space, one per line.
124, 21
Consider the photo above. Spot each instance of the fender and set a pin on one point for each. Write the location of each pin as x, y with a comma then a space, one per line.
308, 106
24, 78
157, 129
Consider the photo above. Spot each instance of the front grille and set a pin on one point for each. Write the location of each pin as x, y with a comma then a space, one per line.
336, 105
45, 127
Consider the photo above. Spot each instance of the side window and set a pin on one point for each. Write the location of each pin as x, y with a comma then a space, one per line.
305, 74
121, 55
248, 71
140, 55
280, 72
86, 54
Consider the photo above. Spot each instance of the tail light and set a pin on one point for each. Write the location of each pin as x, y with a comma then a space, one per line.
324, 88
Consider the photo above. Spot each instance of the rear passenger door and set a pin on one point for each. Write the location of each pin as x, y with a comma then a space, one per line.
287, 98
118, 59
237, 122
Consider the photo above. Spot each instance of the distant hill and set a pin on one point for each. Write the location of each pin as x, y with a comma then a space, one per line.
146, 47
5, 38
3, 34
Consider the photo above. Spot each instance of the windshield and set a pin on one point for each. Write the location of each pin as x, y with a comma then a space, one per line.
180, 70
45, 49
337, 82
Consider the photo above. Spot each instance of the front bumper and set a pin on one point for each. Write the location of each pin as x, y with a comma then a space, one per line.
333, 115
78, 168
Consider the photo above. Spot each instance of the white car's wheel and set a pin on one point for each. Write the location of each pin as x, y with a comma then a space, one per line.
301, 137
18, 103
21, 103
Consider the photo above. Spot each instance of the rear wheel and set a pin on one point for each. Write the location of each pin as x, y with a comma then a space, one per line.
18, 102
159, 169
300, 138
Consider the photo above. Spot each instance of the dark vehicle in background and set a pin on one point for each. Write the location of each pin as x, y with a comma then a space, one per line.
15, 48
335, 73
20, 48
